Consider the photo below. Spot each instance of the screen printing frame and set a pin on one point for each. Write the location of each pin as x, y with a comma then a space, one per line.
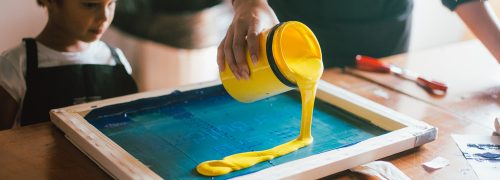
404, 133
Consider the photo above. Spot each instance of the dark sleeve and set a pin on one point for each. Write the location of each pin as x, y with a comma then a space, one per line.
452, 4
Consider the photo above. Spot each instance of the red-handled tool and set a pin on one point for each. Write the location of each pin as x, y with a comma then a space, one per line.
366, 63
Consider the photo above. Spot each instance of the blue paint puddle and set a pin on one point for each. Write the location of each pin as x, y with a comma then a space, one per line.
172, 134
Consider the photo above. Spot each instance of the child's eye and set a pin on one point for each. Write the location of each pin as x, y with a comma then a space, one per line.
90, 5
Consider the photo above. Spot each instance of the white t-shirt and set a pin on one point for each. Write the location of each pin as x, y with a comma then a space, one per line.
13, 64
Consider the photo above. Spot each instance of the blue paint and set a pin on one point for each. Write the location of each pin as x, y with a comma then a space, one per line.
485, 146
488, 155
172, 134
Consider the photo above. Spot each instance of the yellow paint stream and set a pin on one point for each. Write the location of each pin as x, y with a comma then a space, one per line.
307, 71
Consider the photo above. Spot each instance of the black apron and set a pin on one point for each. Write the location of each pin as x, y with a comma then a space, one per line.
56, 87
345, 28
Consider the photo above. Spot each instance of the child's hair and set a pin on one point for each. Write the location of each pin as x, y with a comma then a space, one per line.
40, 2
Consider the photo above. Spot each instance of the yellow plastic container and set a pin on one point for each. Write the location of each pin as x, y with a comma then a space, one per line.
271, 75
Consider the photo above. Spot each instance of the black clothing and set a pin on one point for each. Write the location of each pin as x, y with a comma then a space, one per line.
56, 87
345, 28
452, 4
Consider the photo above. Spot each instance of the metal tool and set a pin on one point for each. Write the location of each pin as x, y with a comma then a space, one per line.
366, 63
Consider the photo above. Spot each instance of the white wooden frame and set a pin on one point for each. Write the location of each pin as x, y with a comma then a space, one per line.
405, 133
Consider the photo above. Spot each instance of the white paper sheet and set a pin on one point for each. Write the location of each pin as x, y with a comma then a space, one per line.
481, 152
497, 126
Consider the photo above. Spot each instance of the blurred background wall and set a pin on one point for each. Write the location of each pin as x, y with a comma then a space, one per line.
158, 65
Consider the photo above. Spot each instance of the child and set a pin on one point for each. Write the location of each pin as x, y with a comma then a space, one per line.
64, 65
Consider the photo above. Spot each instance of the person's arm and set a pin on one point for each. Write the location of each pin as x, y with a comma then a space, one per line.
251, 17
8, 110
482, 21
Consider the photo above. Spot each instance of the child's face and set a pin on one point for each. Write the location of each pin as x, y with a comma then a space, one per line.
83, 20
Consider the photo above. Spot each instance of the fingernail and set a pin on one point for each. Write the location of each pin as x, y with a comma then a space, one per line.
254, 59
238, 74
235, 73
245, 74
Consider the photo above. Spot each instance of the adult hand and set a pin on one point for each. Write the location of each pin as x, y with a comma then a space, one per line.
250, 19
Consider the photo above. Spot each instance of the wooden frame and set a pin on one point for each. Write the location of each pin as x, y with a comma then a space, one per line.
405, 133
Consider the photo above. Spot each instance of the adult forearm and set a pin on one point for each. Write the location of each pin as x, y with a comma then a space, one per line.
482, 21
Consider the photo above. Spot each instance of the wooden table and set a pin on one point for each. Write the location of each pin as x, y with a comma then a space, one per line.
41, 151
472, 74
469, 107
